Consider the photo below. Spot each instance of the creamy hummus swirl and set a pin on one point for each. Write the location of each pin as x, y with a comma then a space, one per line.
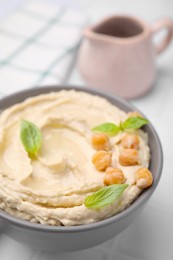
51, 188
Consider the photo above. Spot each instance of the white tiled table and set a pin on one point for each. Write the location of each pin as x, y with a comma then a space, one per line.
150, 237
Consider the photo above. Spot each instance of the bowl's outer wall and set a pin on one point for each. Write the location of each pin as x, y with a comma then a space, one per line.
83, 237
64, 242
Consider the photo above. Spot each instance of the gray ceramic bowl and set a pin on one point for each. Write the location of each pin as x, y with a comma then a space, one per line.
52, 238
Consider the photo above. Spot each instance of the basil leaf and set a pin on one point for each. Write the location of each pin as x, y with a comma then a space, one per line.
30, 136
134, 123
105, 196
108, 128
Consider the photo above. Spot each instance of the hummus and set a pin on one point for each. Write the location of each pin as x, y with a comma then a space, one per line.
51, 187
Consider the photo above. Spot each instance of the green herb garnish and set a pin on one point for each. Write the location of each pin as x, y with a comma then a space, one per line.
105, 196
31, 137
108, 128
134, 123
130, 123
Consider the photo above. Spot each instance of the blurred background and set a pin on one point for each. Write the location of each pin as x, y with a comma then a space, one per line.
39, 43
39, 39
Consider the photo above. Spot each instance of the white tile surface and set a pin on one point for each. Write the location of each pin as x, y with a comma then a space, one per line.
41, 8
72, 16
8, 46
66, 36
12, 80
50, 80
35, 57
22, 24
149, 10
63, 64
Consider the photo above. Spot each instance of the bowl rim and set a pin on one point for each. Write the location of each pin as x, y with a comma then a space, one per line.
34, 91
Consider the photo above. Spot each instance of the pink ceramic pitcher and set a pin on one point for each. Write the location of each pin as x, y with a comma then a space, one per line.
118, 54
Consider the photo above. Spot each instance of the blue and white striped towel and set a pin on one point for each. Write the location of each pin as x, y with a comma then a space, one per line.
38, 40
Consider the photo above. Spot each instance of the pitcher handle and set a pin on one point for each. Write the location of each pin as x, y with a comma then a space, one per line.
157, 26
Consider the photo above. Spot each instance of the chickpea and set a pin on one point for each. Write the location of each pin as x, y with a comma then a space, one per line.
114, 176
129, 157
134, 114
100, 141
143, 178
130, 141
102, 159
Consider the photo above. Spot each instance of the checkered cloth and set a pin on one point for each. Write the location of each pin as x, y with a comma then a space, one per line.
38, 40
